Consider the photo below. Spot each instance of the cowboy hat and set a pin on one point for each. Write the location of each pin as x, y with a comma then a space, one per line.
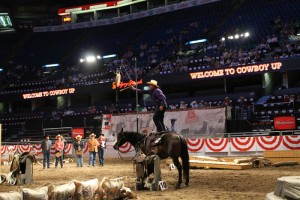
58, 136
78, 136
153, 82
92, 135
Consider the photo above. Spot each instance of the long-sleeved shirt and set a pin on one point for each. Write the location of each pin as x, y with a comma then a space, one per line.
78, 145
59, 145
93, 145
46, 145
157, 96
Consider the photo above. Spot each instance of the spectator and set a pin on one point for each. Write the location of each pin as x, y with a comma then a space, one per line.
46, 146
182, 105
78, 146
101, 148
194, 104
227, 101
286, 98
93, 149
59, 147
92, 110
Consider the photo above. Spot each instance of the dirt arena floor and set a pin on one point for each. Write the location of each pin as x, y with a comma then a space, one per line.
251, 184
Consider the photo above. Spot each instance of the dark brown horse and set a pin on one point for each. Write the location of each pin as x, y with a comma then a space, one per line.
171, 145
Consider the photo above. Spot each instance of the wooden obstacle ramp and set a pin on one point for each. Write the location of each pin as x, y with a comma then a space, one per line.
205, 162
282, 156
219, 165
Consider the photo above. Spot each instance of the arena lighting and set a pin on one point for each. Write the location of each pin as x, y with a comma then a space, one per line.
90, 59
298, 34
110, 56
196, 41
237, 36
51, 65
1, 69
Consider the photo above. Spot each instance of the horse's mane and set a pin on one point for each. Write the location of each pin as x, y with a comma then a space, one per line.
134, 137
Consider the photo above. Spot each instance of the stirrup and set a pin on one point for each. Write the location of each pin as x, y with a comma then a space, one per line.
157, 141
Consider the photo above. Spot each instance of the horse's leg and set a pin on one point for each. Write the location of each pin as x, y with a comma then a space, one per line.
179, 168
185, 164
186, 169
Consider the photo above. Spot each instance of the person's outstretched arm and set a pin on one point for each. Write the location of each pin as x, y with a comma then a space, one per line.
140, 90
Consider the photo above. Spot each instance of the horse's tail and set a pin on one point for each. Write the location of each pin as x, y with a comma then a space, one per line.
184, 155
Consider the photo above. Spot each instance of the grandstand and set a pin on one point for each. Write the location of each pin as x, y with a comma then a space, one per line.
237, 33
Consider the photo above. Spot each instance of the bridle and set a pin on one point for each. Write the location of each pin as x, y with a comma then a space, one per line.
138, 144
131, 159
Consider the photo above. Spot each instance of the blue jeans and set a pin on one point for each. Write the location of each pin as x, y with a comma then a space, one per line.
92, 160
79, 160
46, 159
101, 155
60, 159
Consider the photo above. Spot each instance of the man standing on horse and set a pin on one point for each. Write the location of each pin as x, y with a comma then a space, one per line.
160, 99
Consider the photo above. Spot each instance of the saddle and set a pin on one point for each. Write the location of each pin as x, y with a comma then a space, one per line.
154, 139
20, 170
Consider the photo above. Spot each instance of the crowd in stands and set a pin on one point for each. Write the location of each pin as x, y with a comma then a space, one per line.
161, 56
168, 56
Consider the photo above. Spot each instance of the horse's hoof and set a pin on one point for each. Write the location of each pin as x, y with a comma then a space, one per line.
186, 184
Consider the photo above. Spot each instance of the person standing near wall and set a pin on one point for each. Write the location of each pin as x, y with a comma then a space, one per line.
101, 148
78, 146
46, 146
93, 149
59, 147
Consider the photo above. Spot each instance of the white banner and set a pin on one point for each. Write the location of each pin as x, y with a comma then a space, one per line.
190, 123
103, 22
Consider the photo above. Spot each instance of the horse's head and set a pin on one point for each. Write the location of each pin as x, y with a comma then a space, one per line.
121, 139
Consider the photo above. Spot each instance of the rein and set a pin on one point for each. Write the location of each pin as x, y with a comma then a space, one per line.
126, 159
136, 147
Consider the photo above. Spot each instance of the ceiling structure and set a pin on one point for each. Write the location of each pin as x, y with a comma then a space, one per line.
31, 11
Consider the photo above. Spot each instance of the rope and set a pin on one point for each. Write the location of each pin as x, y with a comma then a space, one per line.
136, 147
126, 159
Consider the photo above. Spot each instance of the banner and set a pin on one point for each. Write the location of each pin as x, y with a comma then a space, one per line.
241, 146
190, 123
238, 70
285, 123
77, 131
216, 145
291, 142
58, 92
125, 18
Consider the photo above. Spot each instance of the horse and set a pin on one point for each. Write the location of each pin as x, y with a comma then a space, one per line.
171, 145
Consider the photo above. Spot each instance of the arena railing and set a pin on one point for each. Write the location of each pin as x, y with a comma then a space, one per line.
216, 135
